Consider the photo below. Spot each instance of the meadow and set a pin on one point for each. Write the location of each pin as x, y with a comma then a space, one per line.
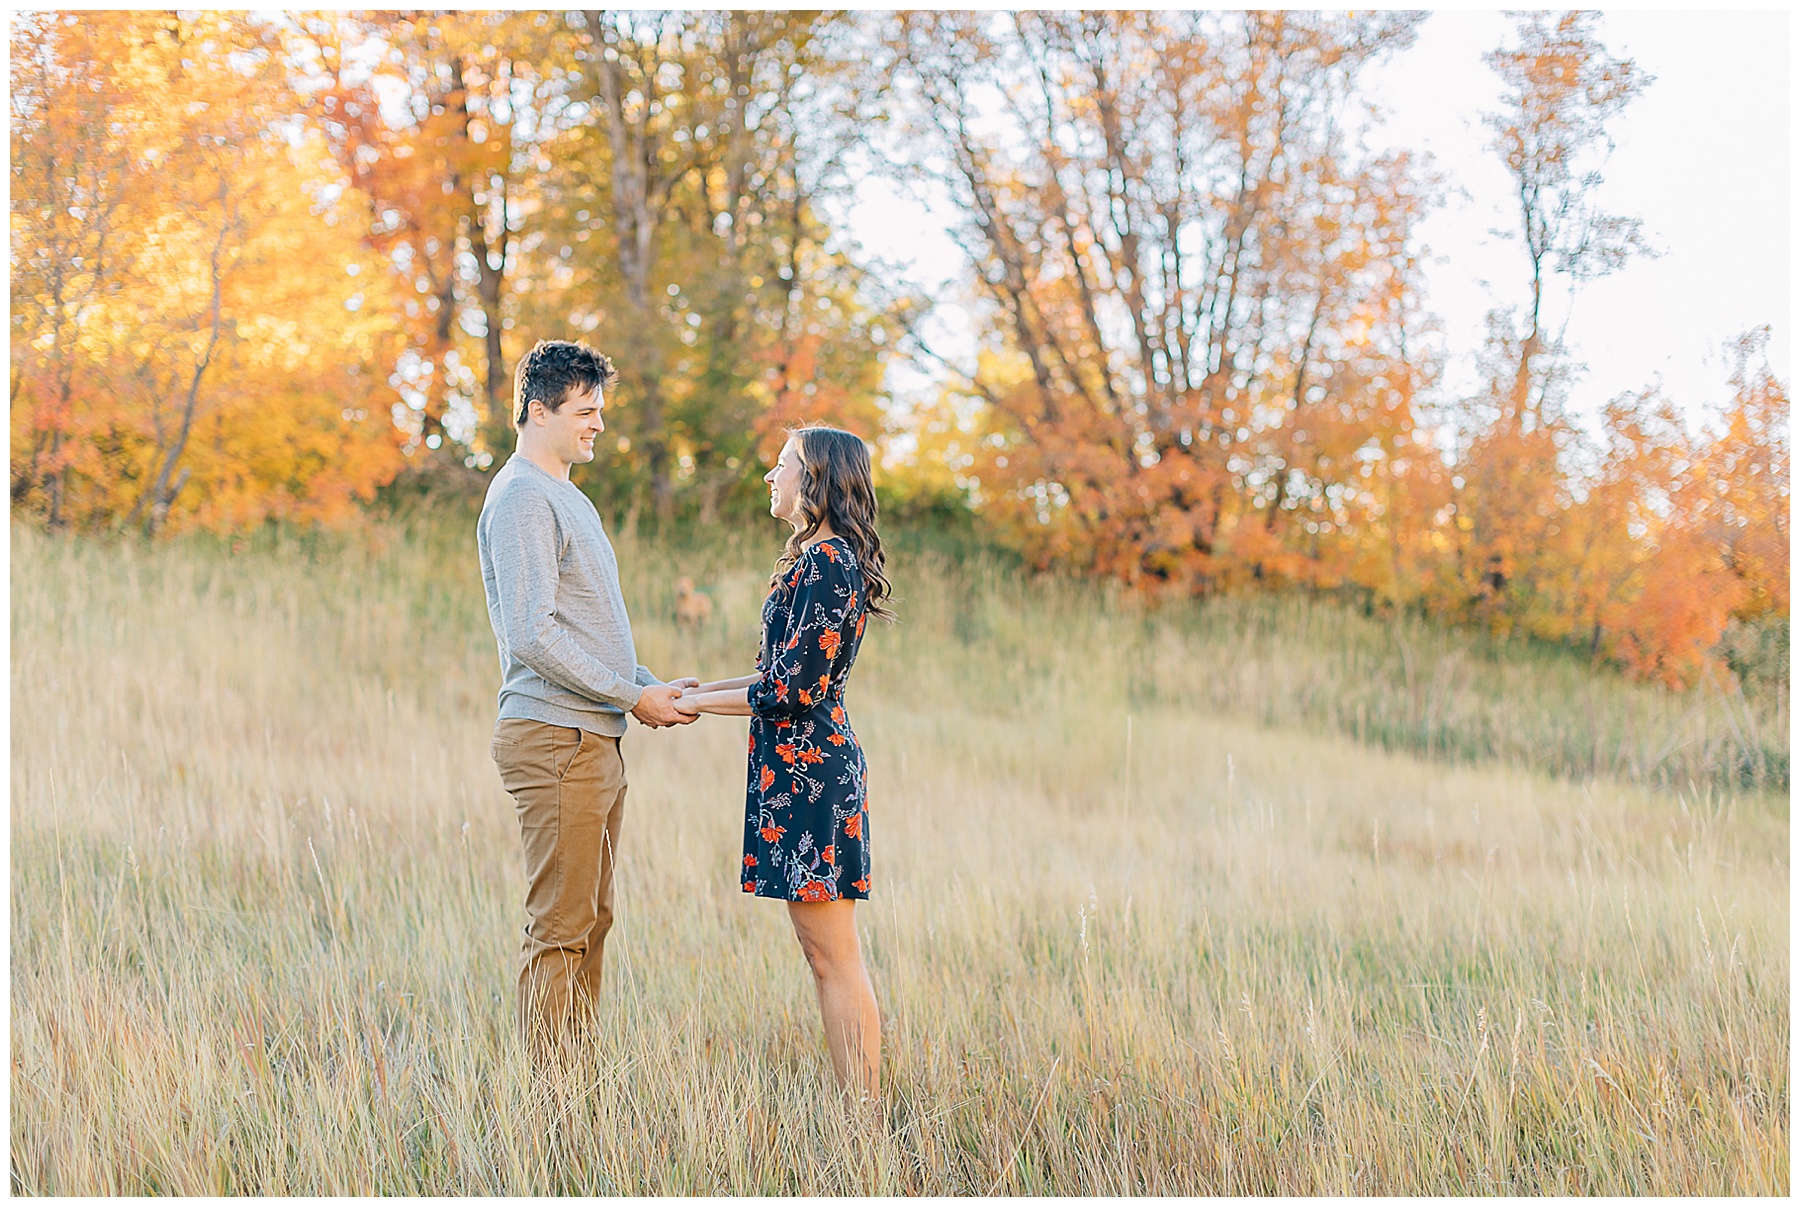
1252, 897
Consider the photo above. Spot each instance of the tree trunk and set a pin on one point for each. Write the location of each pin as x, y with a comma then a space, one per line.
55, 485
162, 493
634, 197
437, 398
490, 287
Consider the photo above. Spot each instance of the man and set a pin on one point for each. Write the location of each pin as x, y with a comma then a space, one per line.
570, 676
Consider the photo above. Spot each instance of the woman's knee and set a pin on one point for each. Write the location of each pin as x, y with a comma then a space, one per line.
825, 957
829, 945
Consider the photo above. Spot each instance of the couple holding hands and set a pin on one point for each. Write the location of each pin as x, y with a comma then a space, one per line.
571, 676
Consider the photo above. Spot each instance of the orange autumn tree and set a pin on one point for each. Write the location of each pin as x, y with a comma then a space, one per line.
433, 116
1645, 549
1662, 538
1745, 479
1716, 549
191, 346
1626, 570
1605, 538
1562, 88
1198, 370
1713, 547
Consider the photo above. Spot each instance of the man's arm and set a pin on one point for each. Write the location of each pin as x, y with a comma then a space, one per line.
522, 549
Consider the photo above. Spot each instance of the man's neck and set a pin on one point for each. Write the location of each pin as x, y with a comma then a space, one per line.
543, 459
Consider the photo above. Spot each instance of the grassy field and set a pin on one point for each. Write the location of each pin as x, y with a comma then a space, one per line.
1148, 917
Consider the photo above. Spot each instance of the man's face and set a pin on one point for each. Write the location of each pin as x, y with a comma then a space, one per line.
572, 429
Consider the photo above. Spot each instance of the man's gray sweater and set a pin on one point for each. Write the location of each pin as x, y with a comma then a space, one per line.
566, 655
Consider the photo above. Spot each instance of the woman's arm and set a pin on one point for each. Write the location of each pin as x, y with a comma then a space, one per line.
731, 702
722, 685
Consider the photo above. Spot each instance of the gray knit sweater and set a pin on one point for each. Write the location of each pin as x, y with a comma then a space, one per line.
566, 655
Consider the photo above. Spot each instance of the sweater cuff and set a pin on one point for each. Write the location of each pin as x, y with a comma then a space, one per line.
630, 695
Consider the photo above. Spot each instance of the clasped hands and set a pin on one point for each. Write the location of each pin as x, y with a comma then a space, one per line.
656, 709
681, 701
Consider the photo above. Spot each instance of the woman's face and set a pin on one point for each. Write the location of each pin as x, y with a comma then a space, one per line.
784, 483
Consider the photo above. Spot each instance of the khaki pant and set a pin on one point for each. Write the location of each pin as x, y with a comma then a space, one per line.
568, 788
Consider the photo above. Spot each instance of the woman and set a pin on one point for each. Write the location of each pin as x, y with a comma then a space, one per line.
806, 835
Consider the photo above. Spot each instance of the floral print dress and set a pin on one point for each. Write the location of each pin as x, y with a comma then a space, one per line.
806, 820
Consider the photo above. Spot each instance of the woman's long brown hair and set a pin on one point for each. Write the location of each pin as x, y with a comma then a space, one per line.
837, 487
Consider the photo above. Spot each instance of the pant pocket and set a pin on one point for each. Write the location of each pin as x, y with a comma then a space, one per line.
567, 759
508, 736
532, 755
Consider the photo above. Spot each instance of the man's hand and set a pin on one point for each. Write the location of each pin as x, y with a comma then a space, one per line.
656, 707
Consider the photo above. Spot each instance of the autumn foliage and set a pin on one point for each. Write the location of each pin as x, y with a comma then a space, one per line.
1205, 367
191, 344
263, 264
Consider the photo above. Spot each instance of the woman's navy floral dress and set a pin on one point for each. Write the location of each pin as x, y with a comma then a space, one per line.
806, 822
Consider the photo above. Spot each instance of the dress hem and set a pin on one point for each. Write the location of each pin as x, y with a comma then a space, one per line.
849, 896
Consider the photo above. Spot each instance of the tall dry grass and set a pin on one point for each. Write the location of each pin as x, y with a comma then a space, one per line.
1127, 937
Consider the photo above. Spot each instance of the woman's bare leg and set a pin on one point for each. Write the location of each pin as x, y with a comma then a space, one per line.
827, 934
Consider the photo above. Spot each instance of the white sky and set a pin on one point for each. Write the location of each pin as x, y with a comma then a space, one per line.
1702, 157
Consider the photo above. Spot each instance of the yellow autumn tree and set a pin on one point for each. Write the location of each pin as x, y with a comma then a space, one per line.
195, 329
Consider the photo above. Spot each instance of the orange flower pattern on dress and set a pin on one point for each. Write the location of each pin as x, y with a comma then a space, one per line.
805, 820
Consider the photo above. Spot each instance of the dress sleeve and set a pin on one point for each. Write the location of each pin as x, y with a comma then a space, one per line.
821, 598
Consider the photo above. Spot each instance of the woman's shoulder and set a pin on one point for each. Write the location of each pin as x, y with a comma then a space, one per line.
832, 553
831, 560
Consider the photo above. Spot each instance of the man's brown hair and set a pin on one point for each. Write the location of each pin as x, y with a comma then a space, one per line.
554, 369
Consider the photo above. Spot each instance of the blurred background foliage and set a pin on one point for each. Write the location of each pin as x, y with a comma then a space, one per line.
278, 269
